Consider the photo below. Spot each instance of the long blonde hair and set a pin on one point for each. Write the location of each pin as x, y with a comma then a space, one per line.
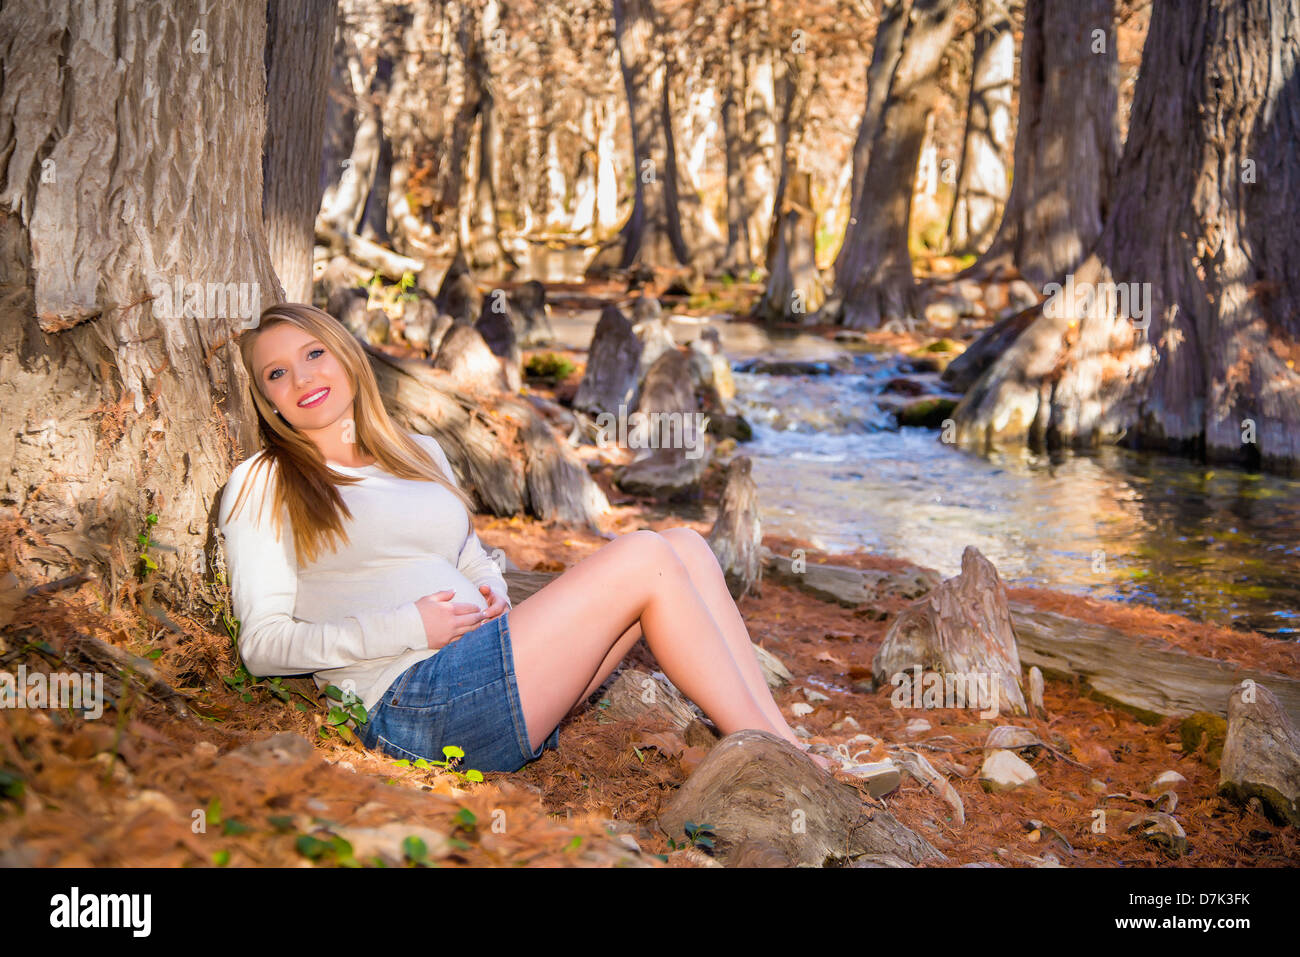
309, 490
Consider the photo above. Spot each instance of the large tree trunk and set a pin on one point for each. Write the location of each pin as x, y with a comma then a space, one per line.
1202, 229
1067, 140
874, 280
119, 400
886, 50
652, 235
982, 181
299, 44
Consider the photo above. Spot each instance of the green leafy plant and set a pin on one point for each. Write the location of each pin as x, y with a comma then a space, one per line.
453, 755
333, 851
697, 835
145, 539
548, 365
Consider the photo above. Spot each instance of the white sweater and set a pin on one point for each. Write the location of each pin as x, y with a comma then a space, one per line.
350, 618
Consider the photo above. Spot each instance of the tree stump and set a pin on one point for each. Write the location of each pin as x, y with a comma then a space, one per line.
753, 787
1261, 754
496, 324
667, 424
458, 296
468, 361
610, 379
963, 628
348, 306
736, 537
533, 314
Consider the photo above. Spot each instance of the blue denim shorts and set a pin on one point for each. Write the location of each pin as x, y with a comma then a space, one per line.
465, 695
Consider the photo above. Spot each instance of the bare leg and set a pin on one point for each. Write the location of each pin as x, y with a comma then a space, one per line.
563, 634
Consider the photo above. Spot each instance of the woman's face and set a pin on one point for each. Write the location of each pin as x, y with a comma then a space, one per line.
301, 378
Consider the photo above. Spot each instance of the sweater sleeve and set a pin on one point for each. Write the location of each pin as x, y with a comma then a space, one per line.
263, 584
473, 561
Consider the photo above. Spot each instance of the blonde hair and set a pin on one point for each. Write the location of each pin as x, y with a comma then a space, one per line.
306, 487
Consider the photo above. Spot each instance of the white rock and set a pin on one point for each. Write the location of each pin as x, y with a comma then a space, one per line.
917, 726
1166, 781
799, 709
815, 695
1004, 771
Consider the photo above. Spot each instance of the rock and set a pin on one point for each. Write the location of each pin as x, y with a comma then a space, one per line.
1009, 737
928, 413
851, 586
901, 385
663, 476
736, 537
917, 726
284, 749
348, 306
801, 708
418, 318
942, 314
1161, 829
386, 842
470, 364
1166, 781
962, 627
1004, 771
1204, 726
1261, 754
815, 696
377, 327
795, 366
1022, 296
774, 670
753, 786
610, 379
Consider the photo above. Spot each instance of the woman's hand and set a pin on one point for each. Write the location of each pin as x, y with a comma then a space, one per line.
496, 604
446, 620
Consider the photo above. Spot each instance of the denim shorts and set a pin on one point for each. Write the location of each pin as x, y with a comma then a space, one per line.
465, 695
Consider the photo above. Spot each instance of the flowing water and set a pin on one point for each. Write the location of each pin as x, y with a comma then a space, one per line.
1213, 544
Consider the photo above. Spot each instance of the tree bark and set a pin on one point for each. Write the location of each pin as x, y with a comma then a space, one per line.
299, 45
1067, 140
874, 280
982, 181
1199, 353
652, 235
131, 164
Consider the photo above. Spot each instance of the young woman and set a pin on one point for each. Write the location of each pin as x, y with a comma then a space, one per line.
410, 613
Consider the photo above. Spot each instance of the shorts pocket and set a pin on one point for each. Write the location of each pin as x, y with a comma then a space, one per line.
398, 753
412, 733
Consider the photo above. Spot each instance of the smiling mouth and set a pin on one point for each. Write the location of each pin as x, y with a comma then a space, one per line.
314, 398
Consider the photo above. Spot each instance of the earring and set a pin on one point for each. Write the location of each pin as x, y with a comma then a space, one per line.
278, 412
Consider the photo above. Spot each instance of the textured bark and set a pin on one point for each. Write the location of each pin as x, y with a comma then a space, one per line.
794, 287
131, 162
299, 44
736, 537
874, 279
1067, 141
652, 235
885, 53
1202, 229
982, 181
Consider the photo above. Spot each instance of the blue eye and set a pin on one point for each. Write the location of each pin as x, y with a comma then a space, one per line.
275, 373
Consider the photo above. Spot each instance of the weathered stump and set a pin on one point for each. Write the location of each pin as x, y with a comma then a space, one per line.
468, 361
1261, 754
458, 296
736, 537
533, 315
667, 423
610, 379
496, 324
961, 628
754, 789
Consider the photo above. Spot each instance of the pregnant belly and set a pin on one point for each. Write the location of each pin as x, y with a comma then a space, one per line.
375, 589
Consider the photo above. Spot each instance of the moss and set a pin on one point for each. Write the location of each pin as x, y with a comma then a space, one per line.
1212, 728
927, 413
939, 345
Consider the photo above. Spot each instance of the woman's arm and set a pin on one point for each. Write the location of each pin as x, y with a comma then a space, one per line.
264, 586
474, 561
